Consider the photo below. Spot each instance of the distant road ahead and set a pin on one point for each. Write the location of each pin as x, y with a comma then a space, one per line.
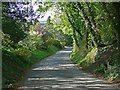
57, 72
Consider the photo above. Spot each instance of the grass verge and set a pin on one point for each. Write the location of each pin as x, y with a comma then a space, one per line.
14, 65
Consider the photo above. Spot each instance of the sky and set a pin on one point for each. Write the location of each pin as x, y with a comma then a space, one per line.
47, 14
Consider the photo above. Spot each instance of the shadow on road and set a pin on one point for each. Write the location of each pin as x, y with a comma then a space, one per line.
57, 72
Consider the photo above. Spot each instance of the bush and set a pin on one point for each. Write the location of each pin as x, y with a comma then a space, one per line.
32, 41
12, 67
111, 69
16, 62
13, 28
101, 69
57, 43
24, 52
41, 46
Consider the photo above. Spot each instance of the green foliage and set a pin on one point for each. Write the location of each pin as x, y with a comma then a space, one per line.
6, 41
12, 65
101, 69
94, 31
16, 63
77, 55
57, 43
112, 70
89, 58
92, 28
60, 29
27, 51
23, 52
31, 41
68, 40
47, 6
14, 30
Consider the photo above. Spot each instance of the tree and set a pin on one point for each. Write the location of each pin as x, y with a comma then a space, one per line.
11, 27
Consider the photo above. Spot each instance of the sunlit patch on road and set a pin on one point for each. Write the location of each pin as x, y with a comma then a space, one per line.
57, 72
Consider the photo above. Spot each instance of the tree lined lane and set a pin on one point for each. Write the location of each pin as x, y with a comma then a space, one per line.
58, 72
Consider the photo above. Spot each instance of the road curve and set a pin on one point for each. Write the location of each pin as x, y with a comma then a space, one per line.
57, 72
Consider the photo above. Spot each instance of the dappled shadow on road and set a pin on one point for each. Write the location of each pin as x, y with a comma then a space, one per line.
57, 72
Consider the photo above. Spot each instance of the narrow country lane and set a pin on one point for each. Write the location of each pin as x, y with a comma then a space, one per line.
57, 72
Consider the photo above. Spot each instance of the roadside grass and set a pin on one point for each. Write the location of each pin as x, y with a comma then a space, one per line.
14, 66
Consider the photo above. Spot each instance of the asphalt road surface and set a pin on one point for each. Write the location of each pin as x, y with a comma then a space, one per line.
57, 72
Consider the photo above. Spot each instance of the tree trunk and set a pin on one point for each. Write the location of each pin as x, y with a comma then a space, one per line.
95, 34
74, 34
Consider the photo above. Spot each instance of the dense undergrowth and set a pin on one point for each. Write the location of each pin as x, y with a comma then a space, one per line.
16, 63
93, 28
25, 42
103, 62
17, 58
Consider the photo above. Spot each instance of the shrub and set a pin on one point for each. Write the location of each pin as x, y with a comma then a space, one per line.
32, 41
41, 46
57, 43
24, 52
